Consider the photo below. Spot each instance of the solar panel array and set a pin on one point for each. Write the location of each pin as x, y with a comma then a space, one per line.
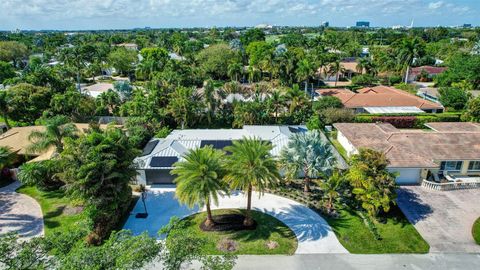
163, 161
216, 144
147, 150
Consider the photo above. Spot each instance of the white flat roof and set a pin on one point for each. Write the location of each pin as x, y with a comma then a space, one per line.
386, 110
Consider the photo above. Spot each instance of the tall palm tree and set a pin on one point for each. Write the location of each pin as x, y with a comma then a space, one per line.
4, 108
407, 51
56, 130
304, 71
308, 154
334, 69
200, 178
276, 101
249, 166
209, 98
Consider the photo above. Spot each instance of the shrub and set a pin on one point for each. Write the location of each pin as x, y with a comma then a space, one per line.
334, 115
397, 121
41, 174
364, 80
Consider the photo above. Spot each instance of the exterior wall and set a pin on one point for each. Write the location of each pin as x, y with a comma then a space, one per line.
159, 177
346, 144
407, 176
141, 178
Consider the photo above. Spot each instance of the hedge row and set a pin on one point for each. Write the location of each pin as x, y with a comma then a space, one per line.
409, 121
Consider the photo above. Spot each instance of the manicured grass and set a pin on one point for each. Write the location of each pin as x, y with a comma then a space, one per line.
249, 242
339, 148
397, 234
53, 204
476, 231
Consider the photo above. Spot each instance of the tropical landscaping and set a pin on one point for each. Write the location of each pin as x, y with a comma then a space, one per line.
476, 231
221, 78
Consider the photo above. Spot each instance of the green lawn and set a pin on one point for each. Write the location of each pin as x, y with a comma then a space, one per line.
53, 204
476, 231
397, 234
249, 242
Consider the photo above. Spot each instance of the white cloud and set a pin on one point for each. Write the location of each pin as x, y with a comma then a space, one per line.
436, 5
224, 11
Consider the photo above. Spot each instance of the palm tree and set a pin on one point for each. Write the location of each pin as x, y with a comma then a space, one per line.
331, 190
408, 50
307, 153
249, 166
304, 71
56, 129
199, 179
235, 70
4, 108
295, 97
276, 101
209, 98
334, 69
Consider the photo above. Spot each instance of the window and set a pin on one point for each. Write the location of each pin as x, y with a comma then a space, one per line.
451, 166
474, 166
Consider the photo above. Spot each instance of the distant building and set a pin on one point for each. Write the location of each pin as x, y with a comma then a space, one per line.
129, 46
362, 24
467, 25
325, 24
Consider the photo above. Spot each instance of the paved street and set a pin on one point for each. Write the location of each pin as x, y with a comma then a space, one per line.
354, 262
444, 219
19, 213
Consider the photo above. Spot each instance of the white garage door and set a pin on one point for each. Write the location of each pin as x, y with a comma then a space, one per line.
407, 176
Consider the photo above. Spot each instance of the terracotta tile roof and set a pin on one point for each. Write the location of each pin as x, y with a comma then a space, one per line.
431, 70
416, 148
379, 96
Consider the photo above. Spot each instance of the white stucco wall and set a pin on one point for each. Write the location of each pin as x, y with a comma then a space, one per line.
351, 150
141, 177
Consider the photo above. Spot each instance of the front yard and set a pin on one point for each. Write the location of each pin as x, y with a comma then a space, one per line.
270, 237
58, 212
397, 235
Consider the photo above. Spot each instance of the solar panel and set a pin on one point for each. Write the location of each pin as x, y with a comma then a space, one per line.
163, 161
147, 150
216, 144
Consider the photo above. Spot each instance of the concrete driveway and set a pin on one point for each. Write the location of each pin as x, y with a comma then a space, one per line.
443, 218
19, 213
313, 232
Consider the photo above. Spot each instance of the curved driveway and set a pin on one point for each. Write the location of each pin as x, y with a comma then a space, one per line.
19, 213
313, 232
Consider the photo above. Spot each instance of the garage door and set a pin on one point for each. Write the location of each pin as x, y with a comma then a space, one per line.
407, 176
158, 177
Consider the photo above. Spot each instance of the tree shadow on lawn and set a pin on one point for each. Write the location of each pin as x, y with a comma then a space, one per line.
49, 223
266, 226
304, 222
412, 205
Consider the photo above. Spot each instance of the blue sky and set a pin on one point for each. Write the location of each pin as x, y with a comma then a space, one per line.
121, 14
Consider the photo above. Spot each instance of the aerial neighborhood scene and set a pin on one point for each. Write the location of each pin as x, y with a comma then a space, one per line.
240, 134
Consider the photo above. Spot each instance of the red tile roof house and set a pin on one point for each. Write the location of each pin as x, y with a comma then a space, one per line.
447, 153
430, 70
382, 100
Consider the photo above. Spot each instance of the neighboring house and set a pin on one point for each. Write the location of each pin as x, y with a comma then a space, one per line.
446, 152
350, 69
382, 100
97, 89
128, 46
159, 155
430, 70
432, 94
17, 140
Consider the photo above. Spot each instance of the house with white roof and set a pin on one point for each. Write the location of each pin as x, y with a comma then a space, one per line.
159, 155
